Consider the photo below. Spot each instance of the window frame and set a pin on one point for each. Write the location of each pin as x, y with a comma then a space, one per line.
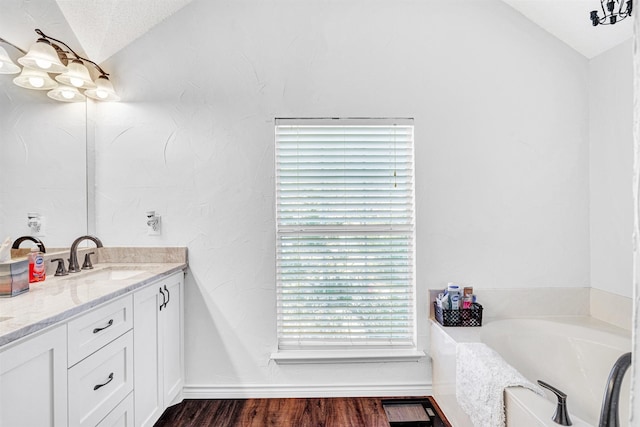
293, 354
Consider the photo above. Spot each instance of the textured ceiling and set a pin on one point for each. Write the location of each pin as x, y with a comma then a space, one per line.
103, 27
569, 21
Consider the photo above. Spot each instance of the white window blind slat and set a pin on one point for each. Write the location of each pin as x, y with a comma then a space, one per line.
345, 234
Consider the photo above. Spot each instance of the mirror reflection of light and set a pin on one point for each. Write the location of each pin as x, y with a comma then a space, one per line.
36, 81
43, 64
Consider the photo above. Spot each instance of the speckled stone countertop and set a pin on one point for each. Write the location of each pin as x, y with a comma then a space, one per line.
60, 298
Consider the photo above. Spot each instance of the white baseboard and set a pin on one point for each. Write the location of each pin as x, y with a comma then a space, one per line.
260, 391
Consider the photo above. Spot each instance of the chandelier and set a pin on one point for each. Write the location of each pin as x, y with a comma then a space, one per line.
72, 81
611, 15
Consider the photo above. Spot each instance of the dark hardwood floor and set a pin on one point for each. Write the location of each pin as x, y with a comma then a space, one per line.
316, 412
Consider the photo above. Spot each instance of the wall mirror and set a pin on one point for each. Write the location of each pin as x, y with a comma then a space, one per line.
43, 143
43, 165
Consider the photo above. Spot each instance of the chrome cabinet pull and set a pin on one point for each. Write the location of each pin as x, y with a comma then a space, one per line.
97, 386
96, 330
164, 299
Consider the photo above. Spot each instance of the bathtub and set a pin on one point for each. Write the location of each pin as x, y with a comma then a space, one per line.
573, 353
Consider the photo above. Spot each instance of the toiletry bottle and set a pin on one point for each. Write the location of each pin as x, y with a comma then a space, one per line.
467, 298
455, 302
36, 266
454, 293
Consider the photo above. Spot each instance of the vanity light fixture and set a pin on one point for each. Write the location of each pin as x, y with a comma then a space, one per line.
611, 15
45, 57
6, 64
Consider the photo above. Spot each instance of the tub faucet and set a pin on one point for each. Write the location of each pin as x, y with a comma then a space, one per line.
611, 401
73, 255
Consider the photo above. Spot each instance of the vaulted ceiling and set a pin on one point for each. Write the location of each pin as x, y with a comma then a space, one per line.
569, 21
103, 27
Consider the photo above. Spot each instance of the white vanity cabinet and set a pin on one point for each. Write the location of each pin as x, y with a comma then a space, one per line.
33, 381
100, 355
117, 364
158, 340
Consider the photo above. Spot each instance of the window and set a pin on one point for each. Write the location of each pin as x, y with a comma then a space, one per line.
345, 234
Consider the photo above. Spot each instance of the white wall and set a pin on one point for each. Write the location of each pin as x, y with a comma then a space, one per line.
501, 115
42, 165
611, 169
42, 141
635, 372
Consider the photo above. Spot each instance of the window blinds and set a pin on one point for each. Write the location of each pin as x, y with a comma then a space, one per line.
345, 234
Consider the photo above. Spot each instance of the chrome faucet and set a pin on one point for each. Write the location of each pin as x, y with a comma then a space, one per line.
611, 401
73, 255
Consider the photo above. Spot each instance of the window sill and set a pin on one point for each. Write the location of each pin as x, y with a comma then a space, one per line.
293, 357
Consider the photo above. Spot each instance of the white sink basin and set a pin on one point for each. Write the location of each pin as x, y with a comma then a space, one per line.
110, 273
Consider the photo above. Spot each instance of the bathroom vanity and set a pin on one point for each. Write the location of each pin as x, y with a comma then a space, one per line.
102, 347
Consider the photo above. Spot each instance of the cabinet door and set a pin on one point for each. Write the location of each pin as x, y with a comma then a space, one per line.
171, 321
147, 369
33, 381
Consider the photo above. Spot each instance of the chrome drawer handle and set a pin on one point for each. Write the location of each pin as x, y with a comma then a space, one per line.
95, 387
96, 330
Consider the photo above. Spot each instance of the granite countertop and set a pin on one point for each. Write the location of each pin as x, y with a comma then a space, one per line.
60, 298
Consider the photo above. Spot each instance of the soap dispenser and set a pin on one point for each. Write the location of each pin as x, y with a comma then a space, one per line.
37, 270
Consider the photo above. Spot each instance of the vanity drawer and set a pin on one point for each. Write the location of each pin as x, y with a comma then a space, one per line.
121, 416
100, 382
98, 327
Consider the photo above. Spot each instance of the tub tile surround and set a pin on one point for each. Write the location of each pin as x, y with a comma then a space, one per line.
534, 302
59, 298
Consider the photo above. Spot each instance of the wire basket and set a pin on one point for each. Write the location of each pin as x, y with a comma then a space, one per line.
463, 317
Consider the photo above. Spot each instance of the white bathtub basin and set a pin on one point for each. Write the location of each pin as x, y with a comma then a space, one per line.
573, 353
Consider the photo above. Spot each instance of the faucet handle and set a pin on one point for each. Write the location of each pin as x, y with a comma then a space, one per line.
86, 265
60, 270
562, 414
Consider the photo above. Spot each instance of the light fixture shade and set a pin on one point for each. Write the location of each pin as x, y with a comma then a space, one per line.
66, 93
104, 90
42, 56
34, 79
76, 75
6, 64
